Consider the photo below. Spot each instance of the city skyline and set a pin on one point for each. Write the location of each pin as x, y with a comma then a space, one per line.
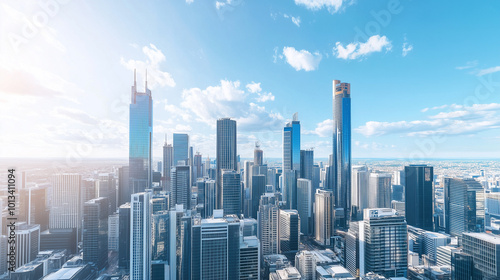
85, 97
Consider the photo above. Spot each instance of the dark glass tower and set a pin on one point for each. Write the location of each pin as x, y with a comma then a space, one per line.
181, 148
95, 232
140, 139
231, 192
124, 236
419, 194
342, 148
168, 160
227, 157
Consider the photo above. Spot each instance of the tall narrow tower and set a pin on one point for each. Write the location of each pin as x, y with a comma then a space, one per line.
227, 157
342, 149
140, 139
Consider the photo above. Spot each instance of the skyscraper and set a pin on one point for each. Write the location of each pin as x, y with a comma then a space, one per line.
124, 236
379, 195
268, 219
342, 148
258, 155
124, 190
160, 235
216, 248
360, 183
419, 194
289, 232
324, 216
258, 185
181, 186
289, 188
291, 145
140, 236
305, 206
168, 162
250, 258
485, 251
464, 206
95, 232
27, 246
231, 192
306, 164
227, 157
181, 149
140, 139
305, 262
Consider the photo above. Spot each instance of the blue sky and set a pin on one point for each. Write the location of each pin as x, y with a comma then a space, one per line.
425, 75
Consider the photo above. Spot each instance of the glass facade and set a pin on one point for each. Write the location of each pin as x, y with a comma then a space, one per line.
419, 194
231, 192
181, 148
342, 148
140, 140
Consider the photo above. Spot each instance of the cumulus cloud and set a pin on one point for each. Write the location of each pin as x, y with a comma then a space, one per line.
332, 6
301, 60
295, 20
254, 87
459, 120
154, 57
229, 100
375, 43
323, 129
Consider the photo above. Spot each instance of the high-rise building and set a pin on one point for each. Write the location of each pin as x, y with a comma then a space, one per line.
124, 236
379, 195
197, 166
179, 248
378, 244
258, 155
464, 206
324, 216
66, 208
32, 207
216, 248
419, 194
268, 219
289, 232
27, 243
247, 189
306, 164
291, 145
106, 187
181, 186
168, 162
95, 232
124, 191
342, 148
227, 157
160, 235
305, 206
209, 196
462, 266
140, 236
250, 258
305, 262
289, 188
181, 149
140, 139
360, 184
113, 232
485, 251
258, 185
231, 192
3, 257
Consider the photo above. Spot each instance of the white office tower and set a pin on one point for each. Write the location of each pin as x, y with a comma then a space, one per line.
305, 205
66, 210
249, 258
378, 244
399, 177
359, 197
268, 220
27, 243
379, 195
324, 216
305, 262
140, 236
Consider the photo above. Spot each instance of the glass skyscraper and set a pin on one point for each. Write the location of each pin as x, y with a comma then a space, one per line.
227, 157
231, 192
181, 148
291, 145
419, 194
342, 148
140, 139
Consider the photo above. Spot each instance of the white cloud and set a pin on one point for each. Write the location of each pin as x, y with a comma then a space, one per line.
229, 100
156, 77
459, 120
189, 1
333, 6
468, 65
375, 43
266, 96
301, 60
254, 87
295, 20
323, 129
407, 48
490, 70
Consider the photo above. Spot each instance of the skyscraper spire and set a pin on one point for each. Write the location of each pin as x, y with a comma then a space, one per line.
146, 90
165, 139
135, 83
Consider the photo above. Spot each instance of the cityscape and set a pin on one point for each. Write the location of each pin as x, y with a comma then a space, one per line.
346, 160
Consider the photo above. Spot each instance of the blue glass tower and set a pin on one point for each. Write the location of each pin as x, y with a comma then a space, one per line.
181, 148
342, 149
291, 145
140, 138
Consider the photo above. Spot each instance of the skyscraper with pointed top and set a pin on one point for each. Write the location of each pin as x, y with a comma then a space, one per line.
342, 149
168, 159
140, 139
